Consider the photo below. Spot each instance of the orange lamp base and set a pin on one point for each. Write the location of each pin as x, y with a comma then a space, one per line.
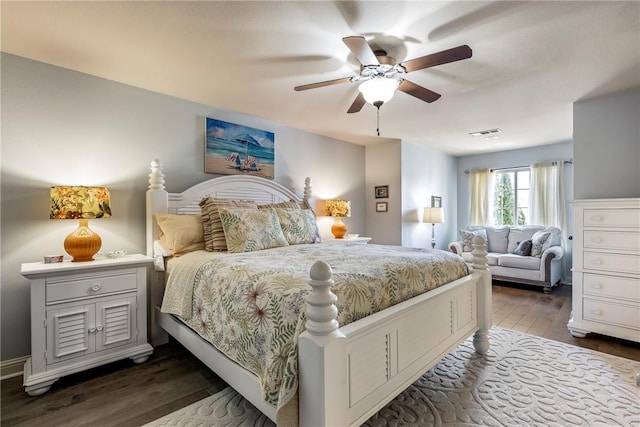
339, 229
83, 243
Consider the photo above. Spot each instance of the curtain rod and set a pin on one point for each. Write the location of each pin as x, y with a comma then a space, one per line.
570, 162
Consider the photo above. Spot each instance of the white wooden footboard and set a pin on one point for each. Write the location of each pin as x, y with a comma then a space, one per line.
348, 374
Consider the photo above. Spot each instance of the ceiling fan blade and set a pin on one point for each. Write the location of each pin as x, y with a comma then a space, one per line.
361, 49
443, 57
419, 92
357, 105
322, 84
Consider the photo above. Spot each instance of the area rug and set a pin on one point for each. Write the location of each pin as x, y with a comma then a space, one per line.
524, 380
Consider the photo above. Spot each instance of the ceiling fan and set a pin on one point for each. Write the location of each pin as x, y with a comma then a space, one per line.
380, 75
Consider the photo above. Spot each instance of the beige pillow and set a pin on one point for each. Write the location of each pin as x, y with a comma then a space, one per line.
292, 204
181, 233
214, 238
248, 230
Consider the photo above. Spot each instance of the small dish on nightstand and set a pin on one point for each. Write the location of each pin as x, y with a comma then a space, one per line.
351, 236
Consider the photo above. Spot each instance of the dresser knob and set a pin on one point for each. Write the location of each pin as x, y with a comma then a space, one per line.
92, 329
597, 218
96, 287
596, 286
597, 312
597, 261
597, 240
99, 327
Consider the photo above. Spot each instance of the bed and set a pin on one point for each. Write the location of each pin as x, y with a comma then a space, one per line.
345, 373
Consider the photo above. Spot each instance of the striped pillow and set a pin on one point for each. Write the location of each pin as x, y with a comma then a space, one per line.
292, 204
214, 239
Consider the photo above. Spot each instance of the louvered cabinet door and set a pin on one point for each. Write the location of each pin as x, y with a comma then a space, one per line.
68, 333
115, 323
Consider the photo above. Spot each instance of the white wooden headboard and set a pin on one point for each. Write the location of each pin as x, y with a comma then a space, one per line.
238, 187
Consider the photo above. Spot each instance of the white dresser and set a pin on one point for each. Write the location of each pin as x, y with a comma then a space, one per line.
606, 268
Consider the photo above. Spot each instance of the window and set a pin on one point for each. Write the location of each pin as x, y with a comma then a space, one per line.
511, 197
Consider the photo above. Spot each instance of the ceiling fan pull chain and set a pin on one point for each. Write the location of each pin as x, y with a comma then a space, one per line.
378, 121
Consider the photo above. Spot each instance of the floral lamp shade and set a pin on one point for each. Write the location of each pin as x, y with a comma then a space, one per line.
81, 203
338, 208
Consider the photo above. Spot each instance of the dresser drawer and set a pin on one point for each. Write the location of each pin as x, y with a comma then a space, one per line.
612, 240
611, 287
611, 218
614, 314
90, 286
611, 262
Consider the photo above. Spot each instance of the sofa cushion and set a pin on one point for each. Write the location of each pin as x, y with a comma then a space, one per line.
524, 248
497, 239
520, 234
540, 242
517, 261
467, 236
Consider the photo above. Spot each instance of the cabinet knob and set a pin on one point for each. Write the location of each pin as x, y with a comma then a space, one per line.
92, 329
596, 286
96, 287
597, 218
597, 240
596, 312
99, 327
597, 261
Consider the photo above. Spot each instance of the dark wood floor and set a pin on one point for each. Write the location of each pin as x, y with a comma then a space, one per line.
125, 394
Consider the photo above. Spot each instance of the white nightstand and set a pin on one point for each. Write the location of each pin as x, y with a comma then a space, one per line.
85, 314
348, 241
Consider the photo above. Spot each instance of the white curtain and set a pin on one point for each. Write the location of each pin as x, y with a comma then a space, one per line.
547, 203
481, 194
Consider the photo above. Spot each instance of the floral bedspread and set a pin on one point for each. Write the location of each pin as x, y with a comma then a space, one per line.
251, 305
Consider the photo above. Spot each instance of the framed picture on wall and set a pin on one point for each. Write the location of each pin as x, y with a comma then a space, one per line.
382, 192
436, 201
381, 206
232, 149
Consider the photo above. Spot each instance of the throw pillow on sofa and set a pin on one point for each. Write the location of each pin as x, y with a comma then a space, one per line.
467, 237
539, 243
524, 248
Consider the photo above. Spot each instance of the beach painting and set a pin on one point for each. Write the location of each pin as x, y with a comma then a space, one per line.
232, 149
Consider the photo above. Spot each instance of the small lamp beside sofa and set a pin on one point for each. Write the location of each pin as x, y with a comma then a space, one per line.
529, 254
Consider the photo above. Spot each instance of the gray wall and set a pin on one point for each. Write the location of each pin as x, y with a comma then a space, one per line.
606, 151
61, 127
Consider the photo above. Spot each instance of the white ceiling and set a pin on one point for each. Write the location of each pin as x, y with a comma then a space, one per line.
531, 60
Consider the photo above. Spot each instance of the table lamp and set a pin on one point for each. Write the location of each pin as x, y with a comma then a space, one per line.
434, 216
81, 203
338, 209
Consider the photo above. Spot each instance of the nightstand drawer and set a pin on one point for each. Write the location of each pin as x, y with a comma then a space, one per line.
611, 262
89, 286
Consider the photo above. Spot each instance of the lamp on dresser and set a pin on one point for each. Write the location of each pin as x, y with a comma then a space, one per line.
433, 216
339, 209
81, 203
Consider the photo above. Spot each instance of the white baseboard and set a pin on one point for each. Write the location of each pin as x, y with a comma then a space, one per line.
12, 368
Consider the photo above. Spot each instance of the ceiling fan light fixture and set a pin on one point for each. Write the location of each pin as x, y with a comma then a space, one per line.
378, 90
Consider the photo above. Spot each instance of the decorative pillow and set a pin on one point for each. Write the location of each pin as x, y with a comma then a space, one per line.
181, 233
249, 230
299, 226
524, 248
538, 241
467, 238
292, 204
497, 239
214, 238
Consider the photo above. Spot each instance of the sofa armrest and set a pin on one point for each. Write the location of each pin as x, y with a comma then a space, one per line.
557, 251
456, 247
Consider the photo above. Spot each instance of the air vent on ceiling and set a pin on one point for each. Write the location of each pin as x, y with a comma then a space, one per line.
487, 132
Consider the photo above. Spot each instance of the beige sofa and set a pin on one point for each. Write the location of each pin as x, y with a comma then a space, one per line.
543, 267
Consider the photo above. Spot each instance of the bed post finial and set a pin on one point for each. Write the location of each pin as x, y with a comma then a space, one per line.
321, 309
307, 189
156, 177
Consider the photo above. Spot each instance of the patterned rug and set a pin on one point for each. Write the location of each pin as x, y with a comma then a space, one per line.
524, 380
